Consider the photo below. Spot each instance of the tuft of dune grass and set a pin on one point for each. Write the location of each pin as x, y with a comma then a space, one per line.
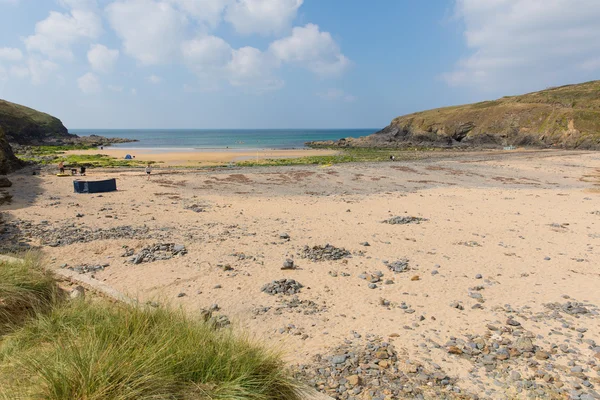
98, 350
25, 290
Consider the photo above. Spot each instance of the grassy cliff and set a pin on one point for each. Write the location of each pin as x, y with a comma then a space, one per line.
566, 116
25, 125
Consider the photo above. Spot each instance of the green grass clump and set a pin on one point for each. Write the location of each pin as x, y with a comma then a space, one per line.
52, 150
356, 154
25, 290
97, 350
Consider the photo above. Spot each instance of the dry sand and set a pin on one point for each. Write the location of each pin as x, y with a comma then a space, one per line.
191, 157
527, 222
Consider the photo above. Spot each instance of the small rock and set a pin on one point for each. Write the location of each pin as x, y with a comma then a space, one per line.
78, 292
288, 264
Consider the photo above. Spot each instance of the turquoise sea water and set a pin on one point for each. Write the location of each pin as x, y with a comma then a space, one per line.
222, 138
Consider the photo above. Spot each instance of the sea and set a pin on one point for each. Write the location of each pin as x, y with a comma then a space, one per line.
213, 139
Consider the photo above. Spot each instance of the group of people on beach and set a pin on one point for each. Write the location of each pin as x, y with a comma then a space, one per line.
61, 169
82, 169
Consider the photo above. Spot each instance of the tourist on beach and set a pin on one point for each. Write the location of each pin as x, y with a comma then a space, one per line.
61, 167
148, 170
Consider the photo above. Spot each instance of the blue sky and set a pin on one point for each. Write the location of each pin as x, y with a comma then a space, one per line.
284, 63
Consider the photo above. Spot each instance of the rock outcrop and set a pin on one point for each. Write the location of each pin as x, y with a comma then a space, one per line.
8, 161
566, 116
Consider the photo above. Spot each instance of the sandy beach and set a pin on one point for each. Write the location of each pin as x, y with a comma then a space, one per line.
197, 157
493, 283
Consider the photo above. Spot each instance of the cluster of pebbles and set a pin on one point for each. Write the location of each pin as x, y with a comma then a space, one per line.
397, 266
562, 365
282, 286
323, 253
85, 268
156, 252
373, 370
54, 235
292, 305
403, 220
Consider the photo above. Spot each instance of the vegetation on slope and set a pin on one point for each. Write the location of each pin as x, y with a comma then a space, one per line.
91, 350
566, 116
25, 125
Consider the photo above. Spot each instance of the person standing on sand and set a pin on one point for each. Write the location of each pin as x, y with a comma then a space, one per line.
61, 167
148, 170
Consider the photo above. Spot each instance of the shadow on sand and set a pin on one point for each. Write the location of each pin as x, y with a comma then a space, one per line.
26, 188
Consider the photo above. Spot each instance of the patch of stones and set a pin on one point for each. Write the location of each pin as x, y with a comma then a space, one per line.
282, 286
324, 253
292, 305
469, 243
55, 235
397, 266
158, 252
292, 330
217, 321
373, 369
374, 278
198, 208
516, 361
85, 268
404, 220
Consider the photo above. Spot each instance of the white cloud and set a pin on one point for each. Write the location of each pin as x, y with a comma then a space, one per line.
115, 88
133, 92
152, 31
89, 83
79, 4
154, 79
312, 49
530, 43
209, 12
101, 58
336, 95
10, 54
207, 55
253, 68
55, 35
40, 70
211, 58
262, 16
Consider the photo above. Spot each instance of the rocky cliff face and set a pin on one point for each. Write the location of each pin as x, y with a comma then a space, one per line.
566, 116
8, 161
24, 125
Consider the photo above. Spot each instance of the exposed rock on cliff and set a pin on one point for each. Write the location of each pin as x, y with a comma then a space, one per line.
8, 161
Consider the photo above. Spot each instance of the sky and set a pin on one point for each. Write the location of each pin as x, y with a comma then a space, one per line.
284, 63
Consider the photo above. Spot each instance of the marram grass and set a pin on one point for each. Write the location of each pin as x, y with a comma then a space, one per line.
97, 350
